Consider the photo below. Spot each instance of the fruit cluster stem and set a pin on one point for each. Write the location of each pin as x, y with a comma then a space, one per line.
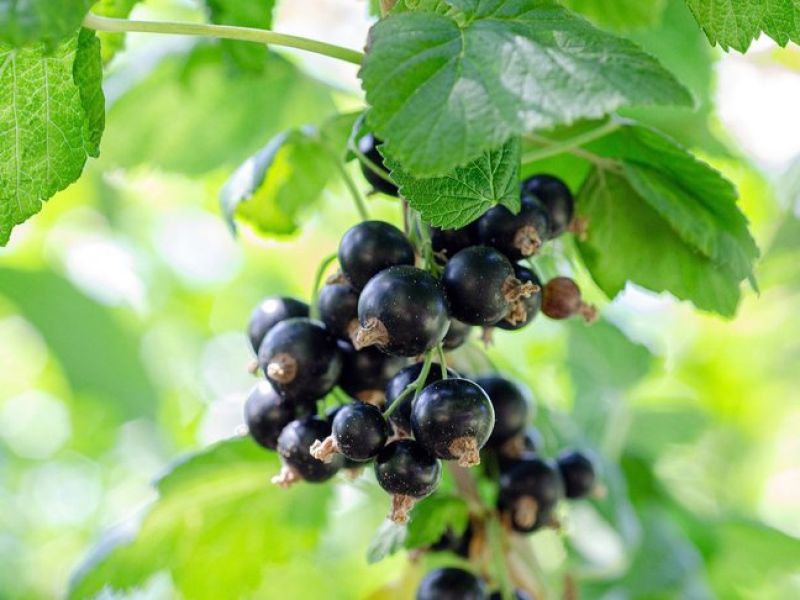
320, 274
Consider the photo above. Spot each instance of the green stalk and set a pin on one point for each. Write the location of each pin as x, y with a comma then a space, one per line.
229, 32
555, 148
323, 266
442, 360
414, 387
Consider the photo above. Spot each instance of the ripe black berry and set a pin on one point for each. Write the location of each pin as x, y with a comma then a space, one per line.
370, 247
529, 492
578, 473
451, 583
515, 235
368, 146
518, 595
269, 313
448, 242
401, 416
407, 471
301, 359
481, 286
561, 299
359, 431
266, 414
338, 309
556, 199
294, 445
366, 372
511, 405
523, 310
456, 335
453, 418
523, 446
403, 311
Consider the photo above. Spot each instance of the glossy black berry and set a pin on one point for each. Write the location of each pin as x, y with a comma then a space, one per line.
578, 474
524, 310
360, 431
523, 446
512, 407
294, 444
266, 414
338, 309
403, 311
453, 418
370, 247
556, 199
515, 235
451, 583
301, 359
368, 146
448, 242
457, 335
481, 286
518, 595
366, 372
269, 313
561, 299
529, 492
401, 416
405, 467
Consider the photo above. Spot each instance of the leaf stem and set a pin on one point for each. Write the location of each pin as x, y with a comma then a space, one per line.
323, 266
230, 32
351, 186
552, 148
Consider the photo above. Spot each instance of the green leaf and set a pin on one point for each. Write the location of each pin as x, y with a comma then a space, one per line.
243, 13
193, 115
458, 198
629, 241
32, 21
51, 121
215, 528
388, 539
434, 516
445, 87
620, 15
736, 23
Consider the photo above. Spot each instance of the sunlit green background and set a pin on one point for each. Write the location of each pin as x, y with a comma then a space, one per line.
122, 348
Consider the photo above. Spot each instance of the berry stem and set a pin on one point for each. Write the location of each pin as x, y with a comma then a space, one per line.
552, 148
442, 360
323, 266
414, 387
246, 34
351, 186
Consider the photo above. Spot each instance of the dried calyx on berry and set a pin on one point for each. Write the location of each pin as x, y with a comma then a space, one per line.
406, 470
358, 431
529, 493
561, 299
525, 309
294, 445
518, 235
555, 197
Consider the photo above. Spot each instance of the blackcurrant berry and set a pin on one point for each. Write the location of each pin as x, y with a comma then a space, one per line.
401, 416
338, 309
457, 544
518, 595
359, 432
269, 313
366, 372
515, 235
407, 471
368, 146
370, 247
511, 404
448, 242
451, 583
403, 311
556, 199
561, 299
529, 492
301, 359
578, 474
481, 286
457, 335
523, 310
523, 446
294, 444
266, 414
453, 418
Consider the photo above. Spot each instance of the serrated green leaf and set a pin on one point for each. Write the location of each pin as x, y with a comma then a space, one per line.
183, 117
460, 197
736, 23
629, 241
51, 121
243, 13
445, 87
32, 21
434, 516
620, 15
217, 525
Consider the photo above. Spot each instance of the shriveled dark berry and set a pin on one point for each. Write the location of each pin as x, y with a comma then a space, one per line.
266, 414
556, 198
525, 309
338, 309
369, 247
578, 472
401, 416
515, 235
368, 146
453, 418
448, 242
457, 335
403, 311
407, 471
451, 583
294, 444
512, 407
366, 372
529, 492
269, 313
561, 299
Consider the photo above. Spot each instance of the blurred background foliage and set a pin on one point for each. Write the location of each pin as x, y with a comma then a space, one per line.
122, 313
